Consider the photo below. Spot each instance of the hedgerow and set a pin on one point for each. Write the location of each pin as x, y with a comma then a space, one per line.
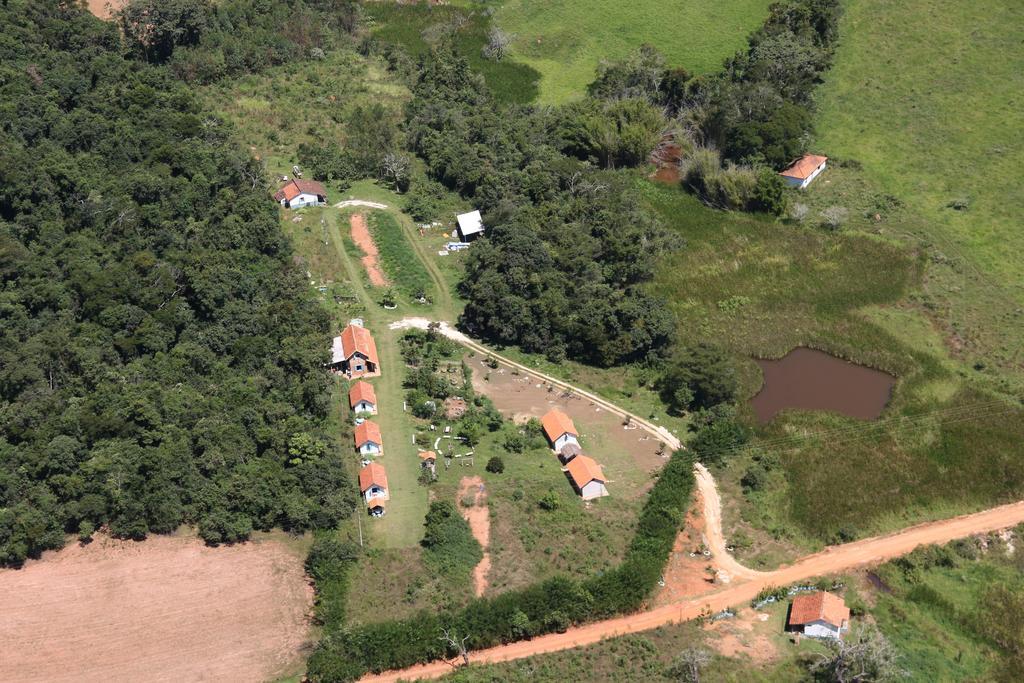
552, 605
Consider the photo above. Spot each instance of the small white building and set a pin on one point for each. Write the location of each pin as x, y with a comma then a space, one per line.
804, 170
819, 615
362, 398
559, 429
471, 225
368, 439
587, 477
298, 193
373, 484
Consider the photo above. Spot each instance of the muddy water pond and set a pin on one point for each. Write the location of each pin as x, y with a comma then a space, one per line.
807, 379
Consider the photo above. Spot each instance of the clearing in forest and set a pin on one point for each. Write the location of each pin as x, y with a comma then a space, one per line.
169, 608
371, 260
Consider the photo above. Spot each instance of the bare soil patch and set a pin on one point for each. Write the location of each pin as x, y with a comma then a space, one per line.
104, 9
371, 261
165, 609
745, 634
686, 575
479, 519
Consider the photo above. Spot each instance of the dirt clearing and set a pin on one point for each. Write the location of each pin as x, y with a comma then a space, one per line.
371, 261
479, 518
104, 9
165, 609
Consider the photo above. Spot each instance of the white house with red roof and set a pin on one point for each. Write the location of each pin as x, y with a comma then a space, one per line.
559, 429
368, 439
819, 615
362, 398
297, 193
804, 170
587, 477
373, 484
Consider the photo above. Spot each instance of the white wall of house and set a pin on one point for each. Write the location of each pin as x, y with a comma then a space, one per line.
365, 407
564, 439
370, 448
796, 182
595, 489
304, 199
375, 492
821, 629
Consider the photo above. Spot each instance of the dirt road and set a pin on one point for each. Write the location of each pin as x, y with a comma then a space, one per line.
479, 519
835, 559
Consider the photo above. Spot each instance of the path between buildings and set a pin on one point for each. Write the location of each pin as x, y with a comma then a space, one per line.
834, 559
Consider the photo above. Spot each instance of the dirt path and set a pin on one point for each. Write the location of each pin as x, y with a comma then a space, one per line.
371, 261
479, 518
165, 609
835, 559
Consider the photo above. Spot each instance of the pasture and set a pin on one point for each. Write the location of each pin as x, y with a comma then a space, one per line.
168, 608
922, 107
564, 41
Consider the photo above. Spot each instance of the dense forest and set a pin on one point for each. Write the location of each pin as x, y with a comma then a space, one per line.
160, 358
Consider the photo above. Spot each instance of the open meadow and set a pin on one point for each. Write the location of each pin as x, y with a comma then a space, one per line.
565, 40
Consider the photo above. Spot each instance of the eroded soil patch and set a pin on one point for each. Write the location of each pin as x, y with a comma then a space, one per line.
371, 261
479, 520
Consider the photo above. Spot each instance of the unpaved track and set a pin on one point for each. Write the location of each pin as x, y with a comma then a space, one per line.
479, 519
835, 559
165, 609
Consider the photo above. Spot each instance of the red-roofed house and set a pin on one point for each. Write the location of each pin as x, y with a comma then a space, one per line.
802, 171
559, 429
373, 484
298, 193
354, 352
819, 615
587, 477
368, 440
362, 398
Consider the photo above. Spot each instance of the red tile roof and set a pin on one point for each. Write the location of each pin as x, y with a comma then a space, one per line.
804, 166
556, 423
358, 339
368, 431
361, 391
294, 188
583, 470
372, 474
818, 606
428, 455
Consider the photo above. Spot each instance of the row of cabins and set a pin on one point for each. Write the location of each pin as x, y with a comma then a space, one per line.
585, 474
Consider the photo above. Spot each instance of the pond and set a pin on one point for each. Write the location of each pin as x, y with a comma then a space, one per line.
807, 379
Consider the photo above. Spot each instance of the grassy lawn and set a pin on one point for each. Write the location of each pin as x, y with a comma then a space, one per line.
565, 40
925, 96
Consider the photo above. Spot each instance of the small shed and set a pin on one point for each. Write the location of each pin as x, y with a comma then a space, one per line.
569, 451
470, 224
559, 429
819, 615
373, 483
368, 439
428, 459
362, 398
804, 170
587, 477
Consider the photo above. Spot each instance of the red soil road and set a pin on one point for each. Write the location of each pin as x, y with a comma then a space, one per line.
835, 559
361, 236
479, 519
165, 609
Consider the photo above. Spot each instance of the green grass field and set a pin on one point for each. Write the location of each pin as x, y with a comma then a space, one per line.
565, 40
399, 261
926, 96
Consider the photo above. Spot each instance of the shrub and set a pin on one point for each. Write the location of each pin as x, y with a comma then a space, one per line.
549, 501
448, 542
833, 217
496, 465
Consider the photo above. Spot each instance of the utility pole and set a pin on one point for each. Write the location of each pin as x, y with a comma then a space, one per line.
359, 521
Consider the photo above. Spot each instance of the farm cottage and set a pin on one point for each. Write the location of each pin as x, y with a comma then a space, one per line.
298, 193
804, 170
587, 477
471, 225
559, 429
368, 440
362, 398
354, 353
819, 615
373, 483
